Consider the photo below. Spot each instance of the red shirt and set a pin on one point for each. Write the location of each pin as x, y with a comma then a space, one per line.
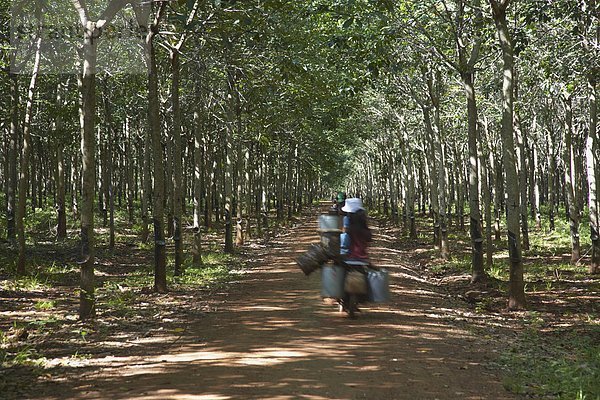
358, 248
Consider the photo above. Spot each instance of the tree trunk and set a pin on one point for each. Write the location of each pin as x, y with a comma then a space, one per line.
487, 208
13, 158
158, 195
433, 178
496, 164
177, 161
198, 177
536, 175
229, 165
592, 176
107, 171
442, 182
61, 214
61, 226
522, 168
551, 180
478, 272
24, 170
239, 174
570, 181
516, 284
410, 185
146, 186
75, 183
87, 301
130, 166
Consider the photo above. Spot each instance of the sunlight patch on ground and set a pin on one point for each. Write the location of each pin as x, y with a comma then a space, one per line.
174, 394
261, 308
261, 357
270, 357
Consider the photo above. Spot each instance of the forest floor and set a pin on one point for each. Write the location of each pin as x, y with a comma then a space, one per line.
267, 334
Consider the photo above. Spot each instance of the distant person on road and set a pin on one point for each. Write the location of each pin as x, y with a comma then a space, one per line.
338, 202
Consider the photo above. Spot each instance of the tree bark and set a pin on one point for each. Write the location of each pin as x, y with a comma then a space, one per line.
146, 187
154, 125
570, 181
408, 169
87, 301
130, 167
177, 161
478, 272
229, 164
592, 175
442, 178
108, 208
487, 208
431, 163
522, 168
13, 158
61, 226
516, 298
551, 180
536, 175
24, 170
61, 214
198, 178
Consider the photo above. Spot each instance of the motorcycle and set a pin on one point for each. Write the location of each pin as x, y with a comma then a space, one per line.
355, 287
350, 282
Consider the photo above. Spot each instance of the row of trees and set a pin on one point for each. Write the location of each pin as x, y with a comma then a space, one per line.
233, 117
220, 111
495, 111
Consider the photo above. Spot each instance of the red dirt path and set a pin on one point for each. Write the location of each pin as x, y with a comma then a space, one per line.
272, 337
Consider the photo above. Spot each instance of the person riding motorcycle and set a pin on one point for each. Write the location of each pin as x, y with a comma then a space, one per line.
355, 226
353, 247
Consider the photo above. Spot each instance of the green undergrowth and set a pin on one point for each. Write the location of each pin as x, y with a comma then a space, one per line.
557, 352
535, 270
556, 365
120, 295
16, 349
41, 275
216, 270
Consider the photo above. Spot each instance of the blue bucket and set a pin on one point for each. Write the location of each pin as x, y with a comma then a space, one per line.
332, 281
379, 285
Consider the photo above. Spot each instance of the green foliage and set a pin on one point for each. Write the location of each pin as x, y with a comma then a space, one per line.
41, 275
42, 220
44, 305
27, 283
210, 275
565, 365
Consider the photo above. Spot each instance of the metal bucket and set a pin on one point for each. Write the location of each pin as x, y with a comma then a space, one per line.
379, 285
332, 281
329, 223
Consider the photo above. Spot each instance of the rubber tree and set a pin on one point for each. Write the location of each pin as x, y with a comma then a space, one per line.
12, 158
175, 61
434, 89
143, 12
464, 23
516, 294
467, 58
92, 31
592, 176
570, 178
23, 181
58, 128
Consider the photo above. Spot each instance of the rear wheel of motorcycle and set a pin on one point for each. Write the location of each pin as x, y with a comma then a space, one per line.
352, 305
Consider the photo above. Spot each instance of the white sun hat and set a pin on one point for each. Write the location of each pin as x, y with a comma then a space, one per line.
353, 205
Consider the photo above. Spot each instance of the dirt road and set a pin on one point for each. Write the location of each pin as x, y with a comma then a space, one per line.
272, 337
